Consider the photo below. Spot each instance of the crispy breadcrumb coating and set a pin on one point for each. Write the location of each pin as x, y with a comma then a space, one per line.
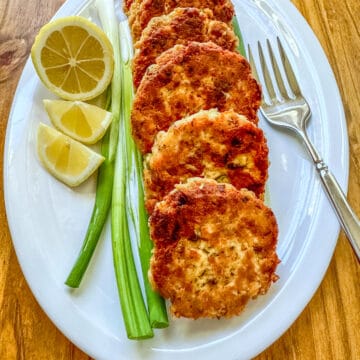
215, 249
127, 5
142, 11
186, 79
221, 146
181, 26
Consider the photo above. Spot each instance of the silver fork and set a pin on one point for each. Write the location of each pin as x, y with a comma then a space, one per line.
292, 111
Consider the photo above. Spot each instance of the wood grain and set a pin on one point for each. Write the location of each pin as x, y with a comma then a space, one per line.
329, 326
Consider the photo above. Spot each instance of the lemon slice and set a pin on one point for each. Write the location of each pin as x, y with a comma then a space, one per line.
81, 121
73, 58
66, 159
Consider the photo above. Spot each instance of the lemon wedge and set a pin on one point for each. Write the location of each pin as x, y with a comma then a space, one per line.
83, 122
73, 58
66, 159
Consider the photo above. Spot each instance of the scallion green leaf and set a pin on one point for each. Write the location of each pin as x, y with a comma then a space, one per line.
236, 27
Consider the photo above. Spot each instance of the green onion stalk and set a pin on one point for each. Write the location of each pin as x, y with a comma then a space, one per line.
133, 307
98, 218
156, 304
108, 150
132, 304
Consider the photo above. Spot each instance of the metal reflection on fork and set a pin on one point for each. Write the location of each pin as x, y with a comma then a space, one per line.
291, 111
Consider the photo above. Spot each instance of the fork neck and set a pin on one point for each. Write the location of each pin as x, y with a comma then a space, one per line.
311, 149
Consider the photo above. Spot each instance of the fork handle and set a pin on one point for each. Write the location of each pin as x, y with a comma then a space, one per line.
347, 217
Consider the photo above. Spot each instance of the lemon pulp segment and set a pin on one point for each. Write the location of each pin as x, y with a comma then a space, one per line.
84, 122
68, 160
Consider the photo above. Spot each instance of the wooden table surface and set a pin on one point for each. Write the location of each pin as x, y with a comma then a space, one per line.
329, 326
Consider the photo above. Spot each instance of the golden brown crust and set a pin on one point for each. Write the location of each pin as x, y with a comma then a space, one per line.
127, 5
186, 79
142, 11
222, 146
215, 249
180, 26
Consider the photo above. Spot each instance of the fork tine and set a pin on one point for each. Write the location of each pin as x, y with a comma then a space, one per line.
254, 70
277, 73
252, 63
267, 78
294, 86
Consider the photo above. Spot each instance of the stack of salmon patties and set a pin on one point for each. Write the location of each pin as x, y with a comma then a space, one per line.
194, 119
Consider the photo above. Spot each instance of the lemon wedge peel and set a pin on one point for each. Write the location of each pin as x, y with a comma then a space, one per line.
73, 57
81, 121
65, 158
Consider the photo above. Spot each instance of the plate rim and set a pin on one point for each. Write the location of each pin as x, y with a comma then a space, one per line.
76, 5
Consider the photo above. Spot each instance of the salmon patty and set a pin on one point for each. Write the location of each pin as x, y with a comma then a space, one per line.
181, 26
142, 11
187, 79
221, 146
215, 249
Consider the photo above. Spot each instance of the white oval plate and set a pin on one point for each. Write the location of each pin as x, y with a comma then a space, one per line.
48, 220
